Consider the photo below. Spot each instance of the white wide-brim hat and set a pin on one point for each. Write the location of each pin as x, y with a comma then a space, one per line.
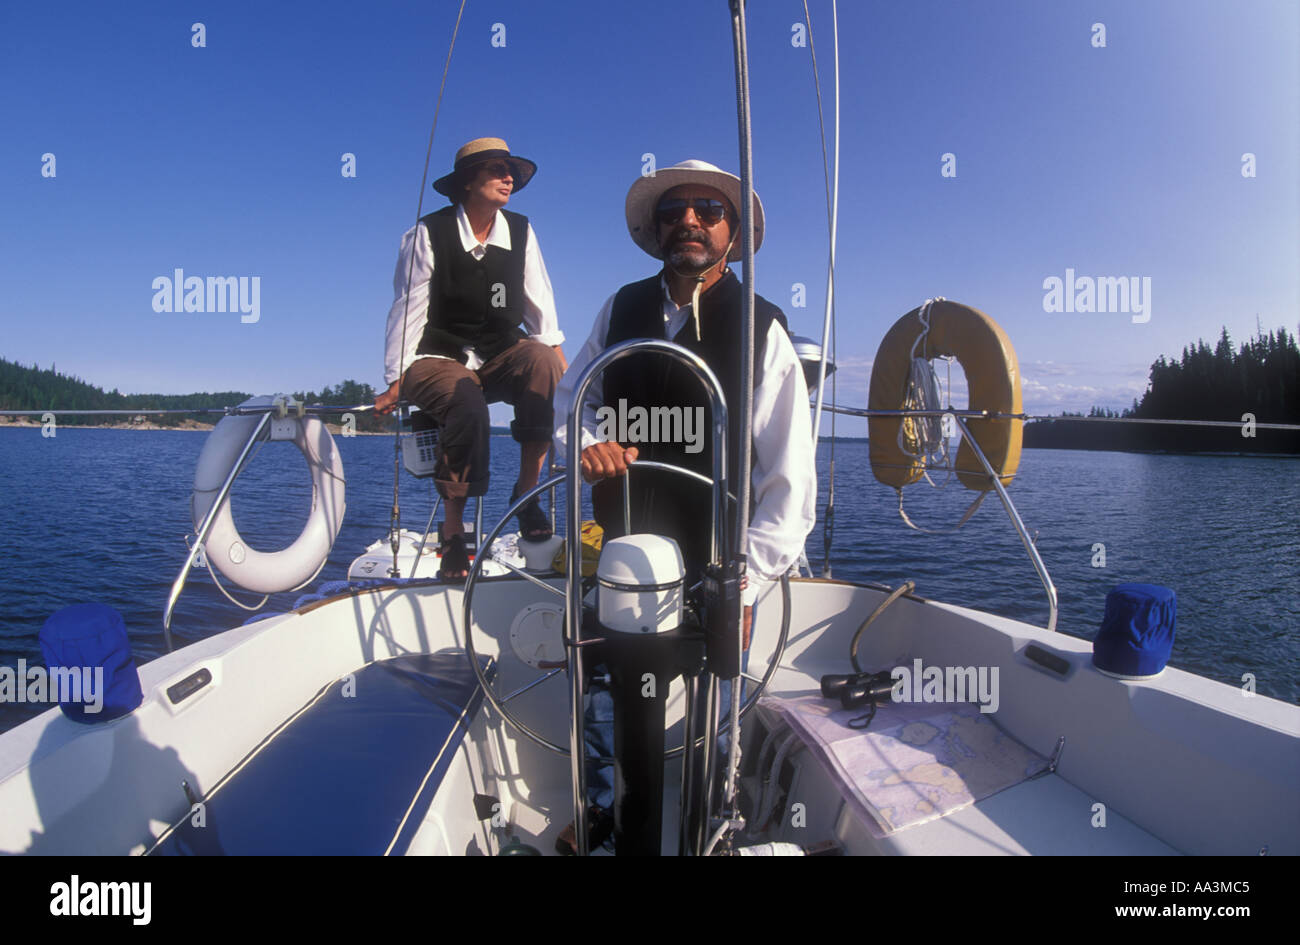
643, 197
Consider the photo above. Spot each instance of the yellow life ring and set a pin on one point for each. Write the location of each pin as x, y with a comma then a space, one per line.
292, 567
992, 374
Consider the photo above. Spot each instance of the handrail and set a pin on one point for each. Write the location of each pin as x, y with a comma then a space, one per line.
1019, 524
206, 527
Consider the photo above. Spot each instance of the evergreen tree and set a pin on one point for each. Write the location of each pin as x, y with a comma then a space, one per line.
1260, 378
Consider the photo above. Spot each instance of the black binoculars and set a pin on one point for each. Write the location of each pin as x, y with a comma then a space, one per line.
858, 689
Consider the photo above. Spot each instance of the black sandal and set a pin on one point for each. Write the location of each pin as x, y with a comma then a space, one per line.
533, 524
600, 825
455, 558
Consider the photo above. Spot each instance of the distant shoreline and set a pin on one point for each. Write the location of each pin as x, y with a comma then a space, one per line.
186, 426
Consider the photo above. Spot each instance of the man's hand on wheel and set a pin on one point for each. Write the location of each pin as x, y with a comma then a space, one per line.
606, 459
386, 401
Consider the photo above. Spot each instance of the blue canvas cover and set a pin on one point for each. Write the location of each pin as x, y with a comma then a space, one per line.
85, 638
351, 774
1137, 633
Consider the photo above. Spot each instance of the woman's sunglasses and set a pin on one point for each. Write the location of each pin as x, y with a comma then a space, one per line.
497, 169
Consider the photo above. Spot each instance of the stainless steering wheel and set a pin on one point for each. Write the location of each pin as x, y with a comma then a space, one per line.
500, 702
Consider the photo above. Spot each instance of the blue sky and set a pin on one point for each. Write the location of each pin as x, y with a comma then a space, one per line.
1119, 161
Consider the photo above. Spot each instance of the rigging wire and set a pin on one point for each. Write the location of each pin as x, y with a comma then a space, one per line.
828, 326
395, 517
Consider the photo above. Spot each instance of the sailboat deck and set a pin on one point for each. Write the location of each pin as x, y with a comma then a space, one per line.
1181, 764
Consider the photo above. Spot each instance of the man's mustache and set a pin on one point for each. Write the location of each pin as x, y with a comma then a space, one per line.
687, 236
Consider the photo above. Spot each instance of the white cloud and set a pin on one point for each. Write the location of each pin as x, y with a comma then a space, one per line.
1050, 397
1125, 369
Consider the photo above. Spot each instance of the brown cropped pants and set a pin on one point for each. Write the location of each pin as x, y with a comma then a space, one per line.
524, 375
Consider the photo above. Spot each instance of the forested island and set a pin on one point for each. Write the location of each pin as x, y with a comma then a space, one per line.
1255, 384
33, 388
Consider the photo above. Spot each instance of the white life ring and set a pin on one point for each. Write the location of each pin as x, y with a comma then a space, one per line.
289, 568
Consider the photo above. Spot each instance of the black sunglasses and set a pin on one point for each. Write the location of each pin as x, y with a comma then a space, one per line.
497, 169
708, 211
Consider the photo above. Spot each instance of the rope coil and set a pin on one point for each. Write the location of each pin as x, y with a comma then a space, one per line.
924, 438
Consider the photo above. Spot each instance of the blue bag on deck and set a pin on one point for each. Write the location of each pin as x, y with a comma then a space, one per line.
1137, 633
90, 640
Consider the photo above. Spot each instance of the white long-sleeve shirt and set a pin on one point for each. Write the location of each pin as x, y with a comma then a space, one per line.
540, 320
784, 480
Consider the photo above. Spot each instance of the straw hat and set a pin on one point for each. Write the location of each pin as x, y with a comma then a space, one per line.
643, 198
480, 151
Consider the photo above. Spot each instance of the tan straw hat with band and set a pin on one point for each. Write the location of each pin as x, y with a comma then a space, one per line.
644, 195
480, 151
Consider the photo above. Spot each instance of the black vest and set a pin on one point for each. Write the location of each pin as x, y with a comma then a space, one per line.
463, 290
664, 503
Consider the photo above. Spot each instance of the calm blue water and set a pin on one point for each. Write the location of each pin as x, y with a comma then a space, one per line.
101, 514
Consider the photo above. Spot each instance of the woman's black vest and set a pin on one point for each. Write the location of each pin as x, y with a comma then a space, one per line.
664, 503
475, 303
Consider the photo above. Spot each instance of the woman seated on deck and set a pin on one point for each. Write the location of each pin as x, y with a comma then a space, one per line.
477, 328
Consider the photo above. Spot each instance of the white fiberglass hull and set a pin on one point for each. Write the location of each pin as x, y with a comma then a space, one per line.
1178, 763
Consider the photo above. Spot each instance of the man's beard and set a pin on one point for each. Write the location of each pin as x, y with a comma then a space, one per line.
691, 260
